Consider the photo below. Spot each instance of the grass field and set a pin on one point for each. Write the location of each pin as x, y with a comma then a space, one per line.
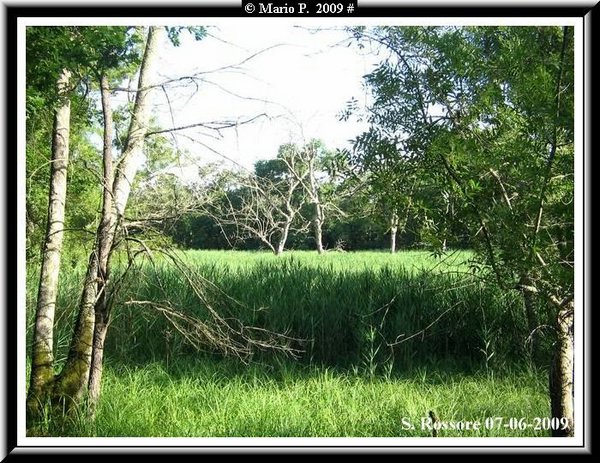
207, 398
380, 337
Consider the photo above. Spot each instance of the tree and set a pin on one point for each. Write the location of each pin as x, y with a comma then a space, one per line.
391, 177
316, 169
56, 42
490, 110
264, 205
83, 51
42, 359
310, 157
87, 345
101, 52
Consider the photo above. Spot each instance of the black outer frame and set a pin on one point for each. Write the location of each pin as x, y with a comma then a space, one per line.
577, 10
14, 12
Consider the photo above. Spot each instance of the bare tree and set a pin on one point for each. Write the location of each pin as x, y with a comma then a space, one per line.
304, 164
262, 208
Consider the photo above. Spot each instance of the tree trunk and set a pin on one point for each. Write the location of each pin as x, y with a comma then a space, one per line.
313, 192
134, 150
42, 357
106, 233
75, 376
318, 224
284, 235
531, 315
29, 226
561, 372
289, 216
70, 384
95, 381
393, 232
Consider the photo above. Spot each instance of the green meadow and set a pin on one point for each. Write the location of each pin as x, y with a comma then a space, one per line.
373, 338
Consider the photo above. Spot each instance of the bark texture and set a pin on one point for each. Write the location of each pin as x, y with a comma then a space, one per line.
393, 232
88, 340
106, 233
42, 356
561, 373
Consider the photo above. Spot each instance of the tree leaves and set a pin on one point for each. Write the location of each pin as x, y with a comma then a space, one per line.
476, 112
174, 33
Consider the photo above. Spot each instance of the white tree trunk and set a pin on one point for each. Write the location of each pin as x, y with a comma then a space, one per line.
75, 376
106, 233
133, 154
393, 232
42, 357
318, 224
284, 235
561, 372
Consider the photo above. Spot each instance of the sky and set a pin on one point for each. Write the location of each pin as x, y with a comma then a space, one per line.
300, 80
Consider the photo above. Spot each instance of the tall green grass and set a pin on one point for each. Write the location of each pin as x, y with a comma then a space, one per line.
211, 398
366, 310
381, 336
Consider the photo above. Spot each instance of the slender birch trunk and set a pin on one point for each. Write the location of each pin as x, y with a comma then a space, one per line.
106, 233
75, 376
393, 232
561, 372
42, 355
319, 215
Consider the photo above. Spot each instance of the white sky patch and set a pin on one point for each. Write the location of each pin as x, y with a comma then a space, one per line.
301, 84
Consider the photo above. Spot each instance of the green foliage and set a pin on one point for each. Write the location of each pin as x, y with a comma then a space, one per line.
197, 231
174, 33
86, 52
271, 170
83, 188
484, 117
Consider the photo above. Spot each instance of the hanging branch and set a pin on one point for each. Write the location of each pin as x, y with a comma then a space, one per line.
220, 332
213, 125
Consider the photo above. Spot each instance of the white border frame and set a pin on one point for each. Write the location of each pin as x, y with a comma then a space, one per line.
398, 442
